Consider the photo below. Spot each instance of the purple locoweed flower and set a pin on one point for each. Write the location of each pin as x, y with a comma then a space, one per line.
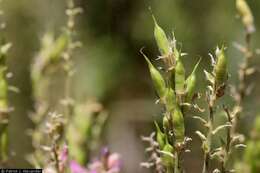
77, 168
108, 163
114, 162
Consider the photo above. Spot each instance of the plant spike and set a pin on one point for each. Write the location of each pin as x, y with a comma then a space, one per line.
246, 15
171, 88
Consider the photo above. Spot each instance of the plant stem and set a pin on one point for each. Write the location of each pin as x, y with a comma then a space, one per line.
68, 67
211, 102
242, 81
228, 145
176, 164
56, 157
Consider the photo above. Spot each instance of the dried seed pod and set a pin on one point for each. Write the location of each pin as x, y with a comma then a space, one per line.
157, 78
178, 124
191, 82
246, 15
160, 136
161, 39
179, 77
220, 68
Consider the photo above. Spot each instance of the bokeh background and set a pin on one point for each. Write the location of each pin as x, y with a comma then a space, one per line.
110, 68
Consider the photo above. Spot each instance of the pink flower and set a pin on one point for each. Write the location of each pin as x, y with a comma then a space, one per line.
114, 161
77, 168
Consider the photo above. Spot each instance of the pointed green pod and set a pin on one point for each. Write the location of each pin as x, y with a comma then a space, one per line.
178, 124
170, 99
59, 46
160, 136
161, 39
221, 68
3, 90
166, 124
157, 78
167, 160
246, 15
191, 82
179, 77
176, 53
4, 145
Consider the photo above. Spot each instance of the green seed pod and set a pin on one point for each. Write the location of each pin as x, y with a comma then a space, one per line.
161, 39
179, 77
220, 68
176, 53
170, 99
157, 78
166, 124
59, 46
4, 145
191, 83
167, 160
246, 15
178, 124
160, 136
3, 91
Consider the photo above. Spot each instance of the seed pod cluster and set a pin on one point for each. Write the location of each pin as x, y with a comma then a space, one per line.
172, 88
246, 15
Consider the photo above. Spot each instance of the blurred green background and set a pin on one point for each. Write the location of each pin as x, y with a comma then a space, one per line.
110, 68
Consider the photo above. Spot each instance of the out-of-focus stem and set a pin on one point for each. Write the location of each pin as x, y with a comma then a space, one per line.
68, 56
176, 164
241, 91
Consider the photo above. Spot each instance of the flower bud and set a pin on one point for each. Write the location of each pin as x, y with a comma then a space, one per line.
246, 15
178, 124
191, 82
157, 78
160, 136
220, 68
179, 77
161, 39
